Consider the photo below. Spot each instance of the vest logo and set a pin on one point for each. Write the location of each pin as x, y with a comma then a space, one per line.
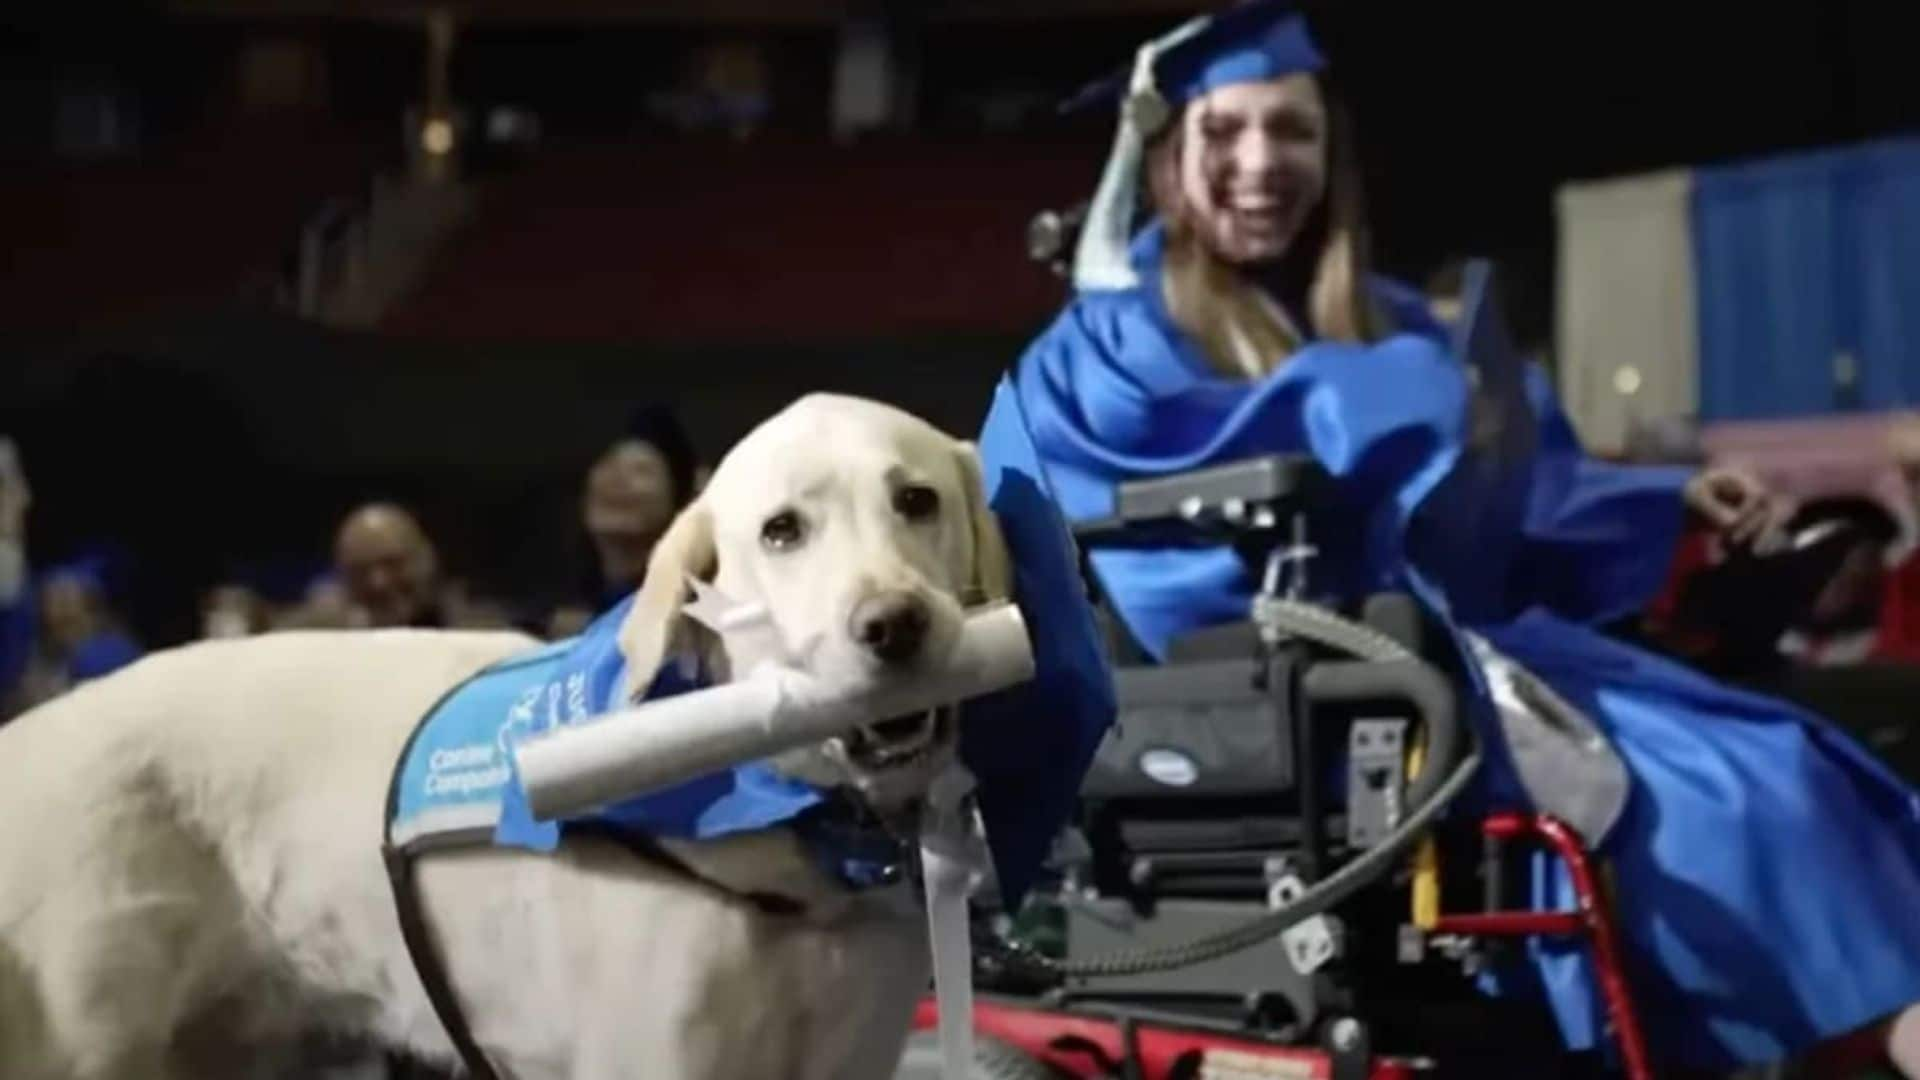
463, 770
1169, 767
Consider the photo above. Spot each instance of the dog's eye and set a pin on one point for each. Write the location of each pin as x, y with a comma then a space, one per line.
783, 530
916, 502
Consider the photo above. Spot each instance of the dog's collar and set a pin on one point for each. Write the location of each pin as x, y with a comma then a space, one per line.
851, 845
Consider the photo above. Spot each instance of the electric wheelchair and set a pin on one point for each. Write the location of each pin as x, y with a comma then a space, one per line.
1280, 867
1256, 878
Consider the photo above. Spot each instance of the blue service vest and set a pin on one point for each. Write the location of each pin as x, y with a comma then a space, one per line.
456, 782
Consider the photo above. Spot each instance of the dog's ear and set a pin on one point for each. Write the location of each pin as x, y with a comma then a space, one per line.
992, 566
654, 627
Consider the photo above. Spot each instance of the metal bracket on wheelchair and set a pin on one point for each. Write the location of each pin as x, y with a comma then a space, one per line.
1312, 942
1285, 577
1376, 779
1358, 684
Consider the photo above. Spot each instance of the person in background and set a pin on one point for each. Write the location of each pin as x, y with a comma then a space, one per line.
272, 593
389, 567
17, 615
323, 605
231, 610
632, 492
57, 632
79, 637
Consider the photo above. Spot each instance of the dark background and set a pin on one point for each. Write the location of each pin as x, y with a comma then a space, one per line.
165, 403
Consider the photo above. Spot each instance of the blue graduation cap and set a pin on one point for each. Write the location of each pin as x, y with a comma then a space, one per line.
1266, 39
1254, 42
92, 571
1029, 747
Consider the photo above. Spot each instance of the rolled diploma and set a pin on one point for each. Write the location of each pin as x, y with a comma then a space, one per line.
633, 751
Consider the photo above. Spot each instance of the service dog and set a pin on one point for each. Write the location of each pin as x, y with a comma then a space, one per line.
191, 883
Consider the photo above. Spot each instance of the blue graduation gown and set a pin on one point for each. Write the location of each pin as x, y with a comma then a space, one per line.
17, 618
1768, 870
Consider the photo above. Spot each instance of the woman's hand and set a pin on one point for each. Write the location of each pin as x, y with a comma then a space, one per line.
1738, 505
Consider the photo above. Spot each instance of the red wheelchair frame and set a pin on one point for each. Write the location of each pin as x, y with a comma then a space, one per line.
1094, 1045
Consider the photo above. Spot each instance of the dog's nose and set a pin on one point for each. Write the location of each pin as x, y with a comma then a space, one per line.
892, 626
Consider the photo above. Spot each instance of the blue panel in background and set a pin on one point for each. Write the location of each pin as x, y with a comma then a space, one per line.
1767, 247
1880, 219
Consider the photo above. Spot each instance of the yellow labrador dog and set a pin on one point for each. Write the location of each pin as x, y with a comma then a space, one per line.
191, 880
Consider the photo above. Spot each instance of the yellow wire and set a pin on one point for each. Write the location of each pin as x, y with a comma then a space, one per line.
1426, 860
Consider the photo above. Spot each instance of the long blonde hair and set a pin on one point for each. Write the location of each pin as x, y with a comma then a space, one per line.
1240, 329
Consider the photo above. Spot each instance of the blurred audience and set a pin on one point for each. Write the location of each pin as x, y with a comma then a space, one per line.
388, 566
60, 629
55, 632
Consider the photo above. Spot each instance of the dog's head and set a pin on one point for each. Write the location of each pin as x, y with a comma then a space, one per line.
864, 532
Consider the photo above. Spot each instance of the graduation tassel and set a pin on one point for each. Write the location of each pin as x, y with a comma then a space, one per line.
1100, 260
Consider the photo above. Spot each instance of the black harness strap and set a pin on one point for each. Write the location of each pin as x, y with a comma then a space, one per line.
433, 973
426, 964
413, 921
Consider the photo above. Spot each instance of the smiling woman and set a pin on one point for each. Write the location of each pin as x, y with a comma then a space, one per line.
1246, 165
1258, 192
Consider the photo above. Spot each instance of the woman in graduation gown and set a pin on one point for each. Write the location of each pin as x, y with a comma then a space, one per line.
1767, 870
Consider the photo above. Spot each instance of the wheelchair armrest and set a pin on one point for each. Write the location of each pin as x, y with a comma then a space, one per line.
1207, 507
